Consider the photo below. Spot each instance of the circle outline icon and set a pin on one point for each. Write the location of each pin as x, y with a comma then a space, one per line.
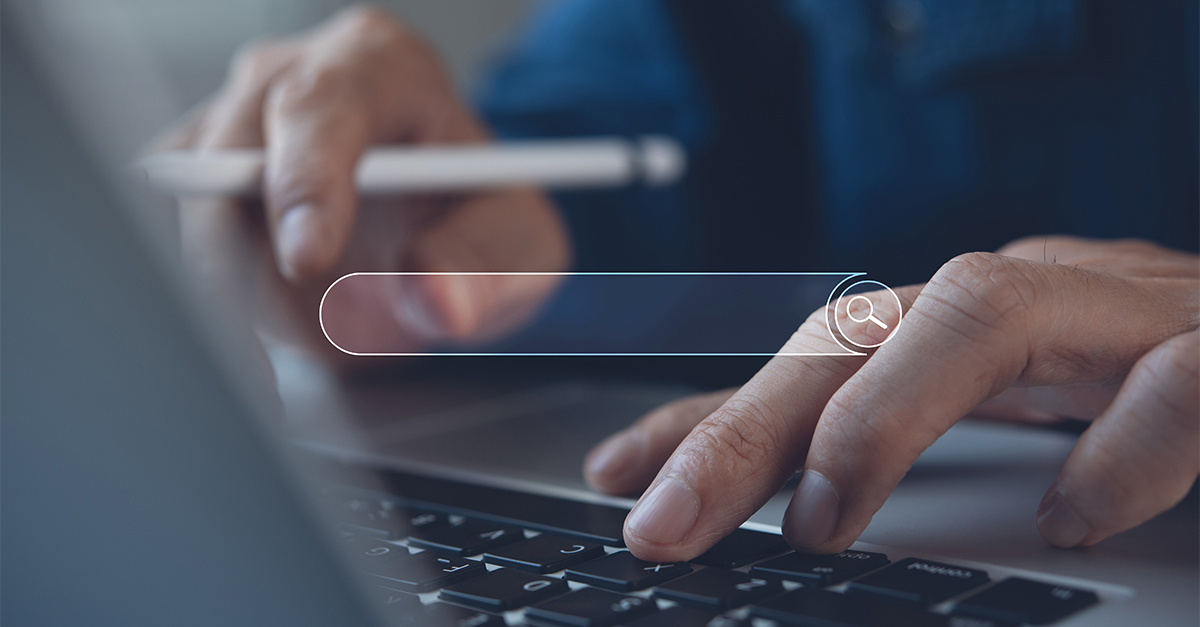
838, 306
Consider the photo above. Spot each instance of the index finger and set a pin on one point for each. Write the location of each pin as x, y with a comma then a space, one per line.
364, 79
742, 454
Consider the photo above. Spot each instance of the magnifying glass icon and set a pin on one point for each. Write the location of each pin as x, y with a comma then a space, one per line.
870, 311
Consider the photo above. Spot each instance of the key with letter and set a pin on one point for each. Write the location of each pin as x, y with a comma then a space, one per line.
621, 571
546, 553
469, 538
423, 572
824, 570
921, 582
367, 551
504, 589
742, 547
1024, 601
718, 588
590, 607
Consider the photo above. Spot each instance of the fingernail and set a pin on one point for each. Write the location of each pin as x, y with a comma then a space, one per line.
813, 513
615, 457
666, 514
412, 311
298, 229
1060, 525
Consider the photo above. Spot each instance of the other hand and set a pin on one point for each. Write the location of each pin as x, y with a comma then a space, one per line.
1046, 327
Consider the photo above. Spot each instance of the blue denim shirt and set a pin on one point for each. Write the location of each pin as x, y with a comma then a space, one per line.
942, 126
907, 114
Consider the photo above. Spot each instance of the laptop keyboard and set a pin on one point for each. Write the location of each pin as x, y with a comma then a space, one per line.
433, 559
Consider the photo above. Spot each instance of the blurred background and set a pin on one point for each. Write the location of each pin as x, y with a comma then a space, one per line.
173, 53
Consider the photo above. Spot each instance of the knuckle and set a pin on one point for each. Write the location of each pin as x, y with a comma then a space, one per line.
256, 60
1033, 247
311, 86
366, 18
368, 26
985, 287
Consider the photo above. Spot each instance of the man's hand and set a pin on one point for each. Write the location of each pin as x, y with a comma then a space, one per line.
316, 101
1087, 329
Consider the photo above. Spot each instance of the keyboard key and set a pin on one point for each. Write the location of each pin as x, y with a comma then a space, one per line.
423, 572
824, 570
546, 553
504, 589
919, 581
471, 537
1024, 601
375, 517
367, 551
592, 522
591, 607
621, 571
720, 589
681, 616
808, 606
742, 547
397, 602
445, 615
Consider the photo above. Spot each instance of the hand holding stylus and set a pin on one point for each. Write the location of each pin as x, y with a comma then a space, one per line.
313, 103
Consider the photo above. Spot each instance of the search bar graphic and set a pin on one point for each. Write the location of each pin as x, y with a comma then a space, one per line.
624, 314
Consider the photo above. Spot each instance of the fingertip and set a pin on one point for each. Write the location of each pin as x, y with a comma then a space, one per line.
443, 306
660, 521
304, 247
811, 518
1059, 524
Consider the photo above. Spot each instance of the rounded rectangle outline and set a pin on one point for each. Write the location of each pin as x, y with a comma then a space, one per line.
847, 277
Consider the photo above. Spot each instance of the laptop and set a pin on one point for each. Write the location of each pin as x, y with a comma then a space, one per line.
146, 480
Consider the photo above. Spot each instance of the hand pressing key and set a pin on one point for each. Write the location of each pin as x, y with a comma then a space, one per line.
1045, 328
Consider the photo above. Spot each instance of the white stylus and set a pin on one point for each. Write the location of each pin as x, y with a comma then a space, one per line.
574, 163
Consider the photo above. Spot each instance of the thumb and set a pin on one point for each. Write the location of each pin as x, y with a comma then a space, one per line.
479, 250
462, 281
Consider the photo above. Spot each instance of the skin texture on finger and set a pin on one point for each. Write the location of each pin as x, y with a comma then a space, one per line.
1128, 258
982, 323
363, 79
626, 462
1139, 459
739, 456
